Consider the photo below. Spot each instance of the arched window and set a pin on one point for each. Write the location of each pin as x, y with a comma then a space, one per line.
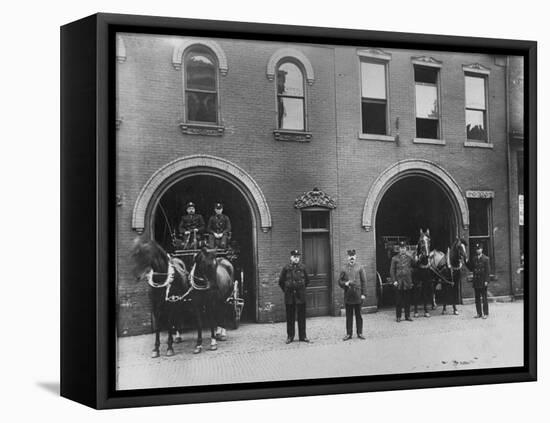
201, 86
290, 97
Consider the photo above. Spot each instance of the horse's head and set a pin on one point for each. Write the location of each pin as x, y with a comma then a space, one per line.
147, 255
423, 245
458, 252
205, 264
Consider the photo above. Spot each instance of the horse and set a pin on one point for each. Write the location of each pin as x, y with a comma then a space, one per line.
422, 276
213, 277
448, 270
169, 285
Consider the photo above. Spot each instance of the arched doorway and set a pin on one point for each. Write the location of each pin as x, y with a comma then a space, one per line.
205, 190
218, 179
408, 205
409, 195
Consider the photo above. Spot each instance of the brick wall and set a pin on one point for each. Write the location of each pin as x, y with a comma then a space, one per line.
150, 92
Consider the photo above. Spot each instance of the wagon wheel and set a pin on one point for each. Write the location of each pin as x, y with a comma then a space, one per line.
236, 305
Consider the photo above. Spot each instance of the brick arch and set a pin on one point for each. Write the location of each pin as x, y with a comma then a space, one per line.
179, 50
294, 54
188, 164
412, 167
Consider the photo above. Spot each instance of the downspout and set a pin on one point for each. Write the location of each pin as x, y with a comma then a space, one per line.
509, 177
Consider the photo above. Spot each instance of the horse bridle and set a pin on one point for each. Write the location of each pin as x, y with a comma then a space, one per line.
192, 279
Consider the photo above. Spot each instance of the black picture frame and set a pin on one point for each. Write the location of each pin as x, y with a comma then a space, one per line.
88, 203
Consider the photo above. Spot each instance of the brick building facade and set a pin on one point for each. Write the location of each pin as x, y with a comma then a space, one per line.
305, 166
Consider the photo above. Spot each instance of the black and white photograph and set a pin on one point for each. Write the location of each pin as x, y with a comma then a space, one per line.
293, 210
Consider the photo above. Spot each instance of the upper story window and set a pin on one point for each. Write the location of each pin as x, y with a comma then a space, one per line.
476, 108
426, 79
290, 97
293, 75
201, 86
374, 99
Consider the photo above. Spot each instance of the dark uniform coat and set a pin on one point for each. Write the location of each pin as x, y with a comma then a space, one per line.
480, 267
219, 223
293, 280
401, 269
189, 222
355, 274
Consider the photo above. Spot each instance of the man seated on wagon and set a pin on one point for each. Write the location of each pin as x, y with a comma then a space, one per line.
191, 227
219, 228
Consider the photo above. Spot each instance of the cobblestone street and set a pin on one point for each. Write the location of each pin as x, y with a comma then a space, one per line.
257, 352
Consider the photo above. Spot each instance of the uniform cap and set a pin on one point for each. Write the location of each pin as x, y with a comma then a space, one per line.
295, 253
218, 206
479, 246
351, 252
402, 244
189, 204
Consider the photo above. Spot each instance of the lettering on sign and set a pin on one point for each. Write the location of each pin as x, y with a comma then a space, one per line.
480, 194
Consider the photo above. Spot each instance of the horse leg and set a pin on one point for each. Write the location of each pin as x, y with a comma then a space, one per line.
170, 350
198, 318
155, 353
211, 316
220, 314
171, 322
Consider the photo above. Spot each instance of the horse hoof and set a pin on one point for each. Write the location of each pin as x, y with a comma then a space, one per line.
213, 347
155, 354
169, 352
221, 337
197, 349
178, 339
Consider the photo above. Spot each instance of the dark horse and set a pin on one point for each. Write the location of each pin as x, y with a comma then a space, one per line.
169, 287
448, 269
212, 281
172, 286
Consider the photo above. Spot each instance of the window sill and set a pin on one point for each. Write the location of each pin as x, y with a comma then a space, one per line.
288, 135
377, 137
478, 144
430, 141
202, 129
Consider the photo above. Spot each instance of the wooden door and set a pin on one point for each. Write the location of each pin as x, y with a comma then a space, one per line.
316, 247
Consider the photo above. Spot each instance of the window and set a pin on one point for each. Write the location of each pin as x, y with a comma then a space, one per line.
481, 226
427, 102
290, 97
201, 87
476, 108
374, 98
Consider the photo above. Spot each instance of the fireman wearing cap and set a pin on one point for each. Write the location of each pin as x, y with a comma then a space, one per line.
293, 280
401, 275
191, 227
480, 266
353, 281
218, 228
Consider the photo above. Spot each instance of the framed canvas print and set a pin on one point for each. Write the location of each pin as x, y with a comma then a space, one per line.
255, 211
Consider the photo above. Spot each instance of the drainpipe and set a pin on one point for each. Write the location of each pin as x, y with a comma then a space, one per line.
509, 177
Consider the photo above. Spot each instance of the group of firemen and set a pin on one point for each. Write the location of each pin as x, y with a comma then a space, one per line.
294, 280
192, 230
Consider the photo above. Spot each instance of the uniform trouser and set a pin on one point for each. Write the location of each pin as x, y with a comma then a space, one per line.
481, 296
422, 294
291, 311
403, 300
217, 242
350, 309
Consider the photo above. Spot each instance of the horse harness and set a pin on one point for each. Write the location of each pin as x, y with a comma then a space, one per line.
170, 275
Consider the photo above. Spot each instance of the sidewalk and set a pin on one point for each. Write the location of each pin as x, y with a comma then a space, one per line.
257, 352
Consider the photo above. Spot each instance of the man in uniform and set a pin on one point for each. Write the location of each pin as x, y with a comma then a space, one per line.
353, 282
218, 228
480, 266
401, 275
191, 227
293, 280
